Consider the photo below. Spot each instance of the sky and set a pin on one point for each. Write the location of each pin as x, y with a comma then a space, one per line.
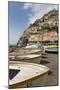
21, 15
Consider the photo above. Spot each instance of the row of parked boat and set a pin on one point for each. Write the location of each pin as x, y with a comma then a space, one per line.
23, 66
49, 47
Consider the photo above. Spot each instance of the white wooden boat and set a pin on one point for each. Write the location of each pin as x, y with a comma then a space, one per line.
31, 57
26, 51
26, 54
24, 73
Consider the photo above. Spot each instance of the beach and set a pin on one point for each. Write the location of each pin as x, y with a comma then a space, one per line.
50, 60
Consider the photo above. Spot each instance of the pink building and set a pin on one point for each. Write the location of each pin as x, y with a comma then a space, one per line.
50, 36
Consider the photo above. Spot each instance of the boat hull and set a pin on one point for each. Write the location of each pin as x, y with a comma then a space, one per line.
53, 50
28, 73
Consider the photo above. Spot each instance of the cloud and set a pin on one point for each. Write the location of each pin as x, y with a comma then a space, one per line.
38, 10
27, 5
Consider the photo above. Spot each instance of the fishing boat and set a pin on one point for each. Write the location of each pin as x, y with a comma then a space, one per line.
26, 54
23, 73
27, 57
21, 51
51, 46
35, 45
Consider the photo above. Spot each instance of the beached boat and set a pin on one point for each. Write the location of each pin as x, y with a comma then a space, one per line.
27, 57
23, 73
21, 51
26, 54
51, 47
35, 45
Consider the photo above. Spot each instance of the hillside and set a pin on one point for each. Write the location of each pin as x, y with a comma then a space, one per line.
43, 29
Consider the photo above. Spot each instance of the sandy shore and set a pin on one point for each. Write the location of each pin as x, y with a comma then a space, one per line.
50, 60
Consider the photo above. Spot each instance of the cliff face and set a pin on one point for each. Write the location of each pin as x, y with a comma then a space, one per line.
39, 30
